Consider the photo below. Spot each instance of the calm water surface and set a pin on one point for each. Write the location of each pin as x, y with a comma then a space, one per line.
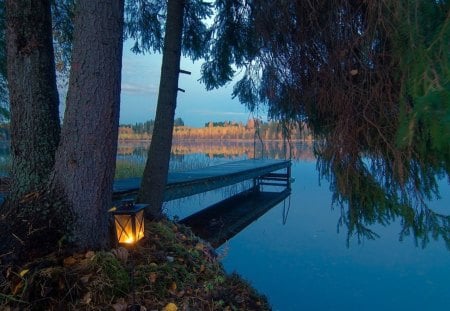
303, 262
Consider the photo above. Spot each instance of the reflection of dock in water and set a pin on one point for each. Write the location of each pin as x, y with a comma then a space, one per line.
221, 221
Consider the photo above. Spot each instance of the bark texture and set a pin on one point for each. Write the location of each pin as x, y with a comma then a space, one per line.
156, 169
85, 159
33, 94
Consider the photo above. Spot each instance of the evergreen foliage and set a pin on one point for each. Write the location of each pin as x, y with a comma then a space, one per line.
2, 41
63, 14
423, 41
324, 62
147, 126
4, 112
143, 23
233, 41
145, 20
371, 79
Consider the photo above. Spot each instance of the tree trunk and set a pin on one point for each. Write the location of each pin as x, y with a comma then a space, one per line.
85, 159
3, 87
33, 94
156, 169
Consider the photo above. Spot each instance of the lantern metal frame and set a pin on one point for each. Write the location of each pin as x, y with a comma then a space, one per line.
129, 222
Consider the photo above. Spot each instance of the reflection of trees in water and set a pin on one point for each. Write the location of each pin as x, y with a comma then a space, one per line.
227, 149
368, 190
135, 148
368, 193
186, 155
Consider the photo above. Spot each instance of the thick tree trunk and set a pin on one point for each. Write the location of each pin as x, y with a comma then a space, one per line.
157, 166
85, 160
3, 87
33, 94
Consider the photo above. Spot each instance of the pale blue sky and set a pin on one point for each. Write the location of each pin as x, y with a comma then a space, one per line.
140, 81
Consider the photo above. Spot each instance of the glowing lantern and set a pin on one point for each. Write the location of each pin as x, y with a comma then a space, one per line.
129, 222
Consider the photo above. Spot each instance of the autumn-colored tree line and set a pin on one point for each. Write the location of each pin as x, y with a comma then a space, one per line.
227, 130
226, 149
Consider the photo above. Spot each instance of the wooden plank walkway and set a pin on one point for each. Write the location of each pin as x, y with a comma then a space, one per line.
183, 184
222, 221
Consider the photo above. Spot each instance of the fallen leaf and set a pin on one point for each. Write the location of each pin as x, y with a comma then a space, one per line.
87, 298
170, 307
239, 299
8, 272
89, 254
173, 286
199, 246
181, 236
120, 305
17, 288
85, 278
23, 272
69, 261
83, 263
61, 283
45, 290
202, 268
354, 72
152, 277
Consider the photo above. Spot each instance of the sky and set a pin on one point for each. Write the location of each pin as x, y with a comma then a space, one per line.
140, 82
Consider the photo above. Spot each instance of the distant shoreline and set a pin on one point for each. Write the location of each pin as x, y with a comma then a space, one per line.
216, 140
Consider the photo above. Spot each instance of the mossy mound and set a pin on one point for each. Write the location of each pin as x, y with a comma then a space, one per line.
170, 269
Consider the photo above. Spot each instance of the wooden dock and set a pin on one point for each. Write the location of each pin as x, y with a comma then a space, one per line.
183, 184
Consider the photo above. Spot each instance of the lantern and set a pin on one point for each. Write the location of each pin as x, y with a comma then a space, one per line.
129, 222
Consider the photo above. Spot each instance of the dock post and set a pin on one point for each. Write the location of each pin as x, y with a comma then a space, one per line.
256, 184
288, 185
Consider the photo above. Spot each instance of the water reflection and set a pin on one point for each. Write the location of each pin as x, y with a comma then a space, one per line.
367, 193
363, 189
303, 264
223, 220
224, 149
286, 209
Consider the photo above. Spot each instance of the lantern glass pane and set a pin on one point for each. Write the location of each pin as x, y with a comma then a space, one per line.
124, 229
139, 225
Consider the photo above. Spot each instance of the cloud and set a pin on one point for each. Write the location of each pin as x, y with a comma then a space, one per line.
130, 88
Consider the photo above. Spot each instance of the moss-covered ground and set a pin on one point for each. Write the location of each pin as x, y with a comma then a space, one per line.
170, 269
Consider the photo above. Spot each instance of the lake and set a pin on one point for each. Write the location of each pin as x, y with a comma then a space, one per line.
299, 256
